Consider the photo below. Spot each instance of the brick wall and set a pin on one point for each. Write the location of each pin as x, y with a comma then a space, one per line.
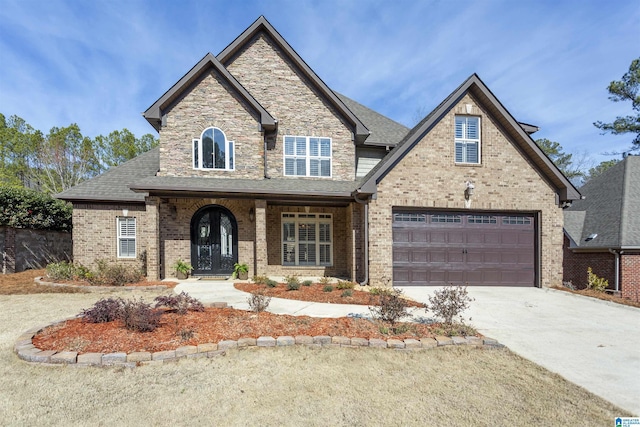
630, 275
575, 265
23, 248
264, 70
427, 177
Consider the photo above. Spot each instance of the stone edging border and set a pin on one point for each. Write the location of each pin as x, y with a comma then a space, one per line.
25, 349
39, 281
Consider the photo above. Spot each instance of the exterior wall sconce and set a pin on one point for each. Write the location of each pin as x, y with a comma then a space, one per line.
307, 209
125, 212
468, 191
252, 214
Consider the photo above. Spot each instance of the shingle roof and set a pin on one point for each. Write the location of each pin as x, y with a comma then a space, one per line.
384, 131
610, 209
113, 185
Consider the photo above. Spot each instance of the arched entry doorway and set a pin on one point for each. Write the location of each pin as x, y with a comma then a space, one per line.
214, 241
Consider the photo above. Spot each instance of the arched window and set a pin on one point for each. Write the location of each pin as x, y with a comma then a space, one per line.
213, 151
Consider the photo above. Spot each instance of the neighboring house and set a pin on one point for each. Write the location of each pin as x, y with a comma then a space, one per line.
260, 162
603, 230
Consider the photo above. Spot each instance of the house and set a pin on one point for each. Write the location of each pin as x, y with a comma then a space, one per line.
261, 162
602, 231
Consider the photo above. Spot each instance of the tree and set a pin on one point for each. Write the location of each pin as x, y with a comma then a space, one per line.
627, 89
599, 169
18, 142
562, 160
120, 146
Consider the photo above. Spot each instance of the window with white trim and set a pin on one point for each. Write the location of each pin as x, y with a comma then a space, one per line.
307, 156
126, 237
213, 151
307, 239
467, 139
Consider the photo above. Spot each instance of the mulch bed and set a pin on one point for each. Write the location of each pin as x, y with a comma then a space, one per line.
600, 295
211, 326
316, 293
142, 283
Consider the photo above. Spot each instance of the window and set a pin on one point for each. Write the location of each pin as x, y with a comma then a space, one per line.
307, 239
467, 139
126, 237
213, 151
516, 220
481, 219
446, 218
307, 156
409, 217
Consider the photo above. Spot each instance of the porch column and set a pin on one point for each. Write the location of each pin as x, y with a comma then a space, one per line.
151, 231
261, 237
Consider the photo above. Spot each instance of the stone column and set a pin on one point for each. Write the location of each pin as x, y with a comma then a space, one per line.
261, 259
152, 233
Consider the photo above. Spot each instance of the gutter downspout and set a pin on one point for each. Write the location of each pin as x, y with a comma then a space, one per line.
365, 282
266, 176
617, 268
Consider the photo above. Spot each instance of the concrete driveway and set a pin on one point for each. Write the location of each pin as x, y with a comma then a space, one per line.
592, 343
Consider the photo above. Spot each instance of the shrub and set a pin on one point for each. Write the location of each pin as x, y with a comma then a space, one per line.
328, 288
271, 283
260, 280
346, 293
392, 307
66, 271
104, 310
186, 333
598, 284
307, 283
342, 284
380, 291
325, 280
293, 283
24, 208
181, 303
138, 316
114, 274
258, 302
569, 285
449, 302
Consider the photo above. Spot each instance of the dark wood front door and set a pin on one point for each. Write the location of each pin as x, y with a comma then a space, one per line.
214, 241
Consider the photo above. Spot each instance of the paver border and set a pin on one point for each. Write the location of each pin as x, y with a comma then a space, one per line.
27, 351
89, 288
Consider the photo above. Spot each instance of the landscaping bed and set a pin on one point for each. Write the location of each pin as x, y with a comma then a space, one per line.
317, 292
600, 295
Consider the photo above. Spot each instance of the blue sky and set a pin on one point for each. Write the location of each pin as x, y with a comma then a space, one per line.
101, 63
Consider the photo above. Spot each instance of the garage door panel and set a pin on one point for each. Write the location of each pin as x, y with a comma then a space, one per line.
449, 247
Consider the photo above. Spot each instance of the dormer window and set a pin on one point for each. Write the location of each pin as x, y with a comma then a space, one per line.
213, 151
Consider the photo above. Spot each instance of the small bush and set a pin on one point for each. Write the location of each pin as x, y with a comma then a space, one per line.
342, 284
307, 283
260, 280
293, 282
392, 307
271, 283
258, 302
186, 333
346, 293
598, 284
380, 291
138, 316
66, 271
109, 274
449, 302
328, 288
104, 310
325, 280
569, 285
181, 303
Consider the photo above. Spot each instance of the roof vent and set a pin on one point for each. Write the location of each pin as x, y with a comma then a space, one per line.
591, 237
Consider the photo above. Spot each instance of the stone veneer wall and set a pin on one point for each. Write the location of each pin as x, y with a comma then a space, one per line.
265, 71
95, 233
427, 177
24, 248
211, 102
341, 243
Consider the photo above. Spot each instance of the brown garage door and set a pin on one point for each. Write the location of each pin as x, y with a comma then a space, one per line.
439, 248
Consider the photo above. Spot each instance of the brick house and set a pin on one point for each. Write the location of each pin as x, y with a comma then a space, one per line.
602, 231
260, 162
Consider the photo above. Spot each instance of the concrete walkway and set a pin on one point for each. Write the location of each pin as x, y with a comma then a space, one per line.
592, 343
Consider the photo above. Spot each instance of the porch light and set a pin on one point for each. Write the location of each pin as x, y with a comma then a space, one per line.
125, 212
468, 191
252, 214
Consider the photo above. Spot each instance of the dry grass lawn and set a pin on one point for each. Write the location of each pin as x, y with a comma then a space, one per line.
23, 283
284, 386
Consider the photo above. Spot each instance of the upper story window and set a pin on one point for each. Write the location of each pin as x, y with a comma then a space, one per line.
213, 151
467, 139
307, 156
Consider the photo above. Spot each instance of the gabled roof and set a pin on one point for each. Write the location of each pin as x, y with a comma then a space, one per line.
113, 185
155, 112
262, 25
384, 131
481, 92
611, 209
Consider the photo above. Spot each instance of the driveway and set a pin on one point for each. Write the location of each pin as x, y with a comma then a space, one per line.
592, 343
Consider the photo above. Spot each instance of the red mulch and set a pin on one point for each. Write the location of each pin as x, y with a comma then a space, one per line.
316, 293
210, 326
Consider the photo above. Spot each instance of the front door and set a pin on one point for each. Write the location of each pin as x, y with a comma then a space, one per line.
214, 241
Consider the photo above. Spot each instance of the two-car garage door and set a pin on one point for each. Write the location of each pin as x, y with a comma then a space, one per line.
474, 248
